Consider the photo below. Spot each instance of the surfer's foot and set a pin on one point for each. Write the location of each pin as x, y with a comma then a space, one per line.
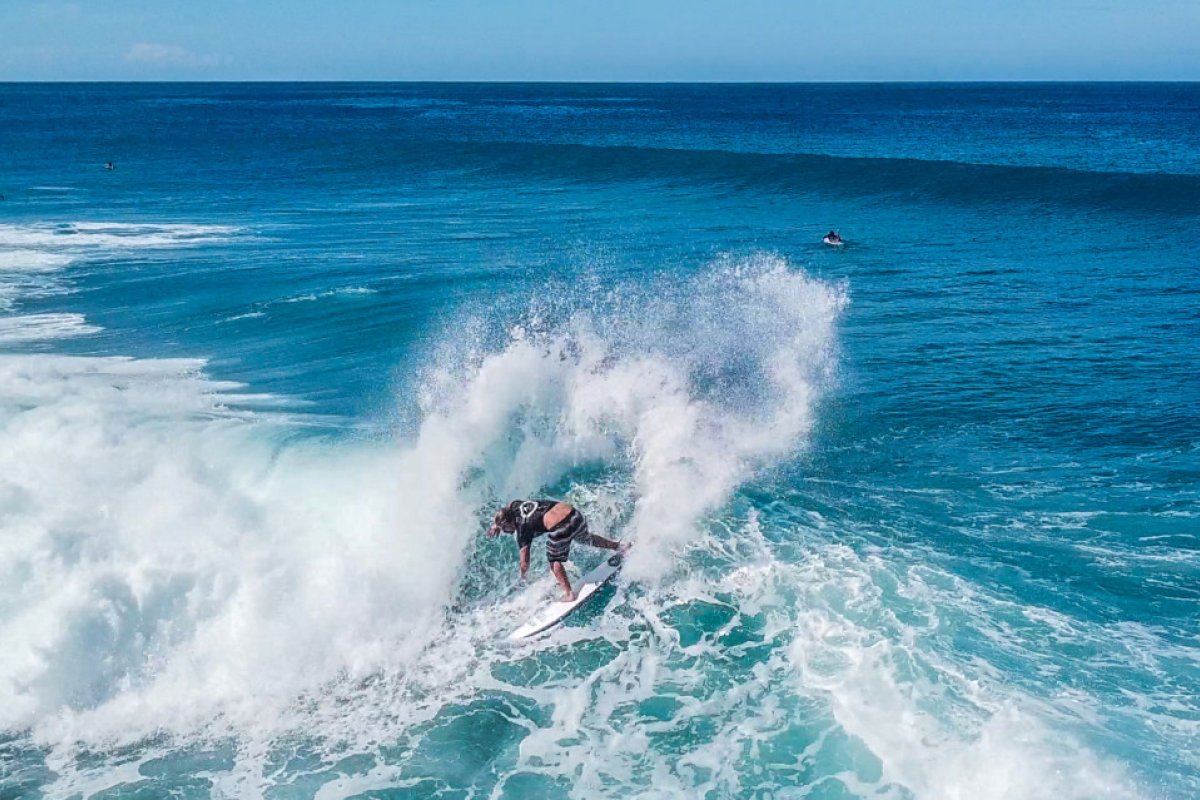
569, 597
623, 547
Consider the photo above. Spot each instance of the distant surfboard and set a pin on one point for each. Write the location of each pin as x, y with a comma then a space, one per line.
555, 612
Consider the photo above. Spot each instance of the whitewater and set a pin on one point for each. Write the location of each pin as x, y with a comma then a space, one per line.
908, 521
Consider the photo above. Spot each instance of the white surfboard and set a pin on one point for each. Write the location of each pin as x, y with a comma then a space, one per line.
555, 612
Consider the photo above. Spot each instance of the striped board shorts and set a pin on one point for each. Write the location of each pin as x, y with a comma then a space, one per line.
558, 541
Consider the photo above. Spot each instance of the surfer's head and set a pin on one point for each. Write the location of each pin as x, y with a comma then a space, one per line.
505, 519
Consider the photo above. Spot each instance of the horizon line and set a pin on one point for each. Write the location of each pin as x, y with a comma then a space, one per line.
592, 82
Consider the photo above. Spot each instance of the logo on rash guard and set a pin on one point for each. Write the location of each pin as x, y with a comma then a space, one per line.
527, 509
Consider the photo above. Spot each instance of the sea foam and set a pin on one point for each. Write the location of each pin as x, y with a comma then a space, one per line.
189, 572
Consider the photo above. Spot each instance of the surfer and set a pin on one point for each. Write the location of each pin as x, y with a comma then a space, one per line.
562, 524
833, 237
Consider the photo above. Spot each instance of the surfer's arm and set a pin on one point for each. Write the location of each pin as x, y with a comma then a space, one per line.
524, 561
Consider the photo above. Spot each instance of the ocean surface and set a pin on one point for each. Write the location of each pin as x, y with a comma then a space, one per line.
916, 517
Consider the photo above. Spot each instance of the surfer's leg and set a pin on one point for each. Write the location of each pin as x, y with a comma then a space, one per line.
596, 540
558, 549
558, 544
558, 541
560, 573
585, 536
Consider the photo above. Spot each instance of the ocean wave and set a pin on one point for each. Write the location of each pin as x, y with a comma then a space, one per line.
246, 315
108, 235
869, 650
904, 179
32, 261
26, 328
205, 530
343, 291
189, 583
387, 102
32, 254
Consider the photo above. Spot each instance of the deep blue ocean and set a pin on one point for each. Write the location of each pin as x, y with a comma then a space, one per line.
914, 517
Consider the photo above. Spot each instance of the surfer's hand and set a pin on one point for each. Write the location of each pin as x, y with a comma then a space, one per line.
493, 531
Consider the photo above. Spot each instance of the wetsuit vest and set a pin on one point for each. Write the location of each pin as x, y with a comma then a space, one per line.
531, 519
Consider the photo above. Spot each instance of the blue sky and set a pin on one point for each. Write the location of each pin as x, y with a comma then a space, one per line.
653, 40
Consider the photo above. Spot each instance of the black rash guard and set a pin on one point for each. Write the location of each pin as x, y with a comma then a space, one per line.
531, 520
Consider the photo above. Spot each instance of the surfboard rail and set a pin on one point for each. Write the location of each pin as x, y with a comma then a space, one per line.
558, 610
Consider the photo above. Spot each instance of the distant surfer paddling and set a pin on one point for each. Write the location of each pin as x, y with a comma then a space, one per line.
562, 524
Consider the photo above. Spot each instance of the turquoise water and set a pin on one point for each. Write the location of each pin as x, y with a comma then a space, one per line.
918, 517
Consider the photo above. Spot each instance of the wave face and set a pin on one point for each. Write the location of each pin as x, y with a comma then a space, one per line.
159, 532
911, 518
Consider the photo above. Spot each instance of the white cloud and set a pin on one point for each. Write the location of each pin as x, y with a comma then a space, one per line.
171, 55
